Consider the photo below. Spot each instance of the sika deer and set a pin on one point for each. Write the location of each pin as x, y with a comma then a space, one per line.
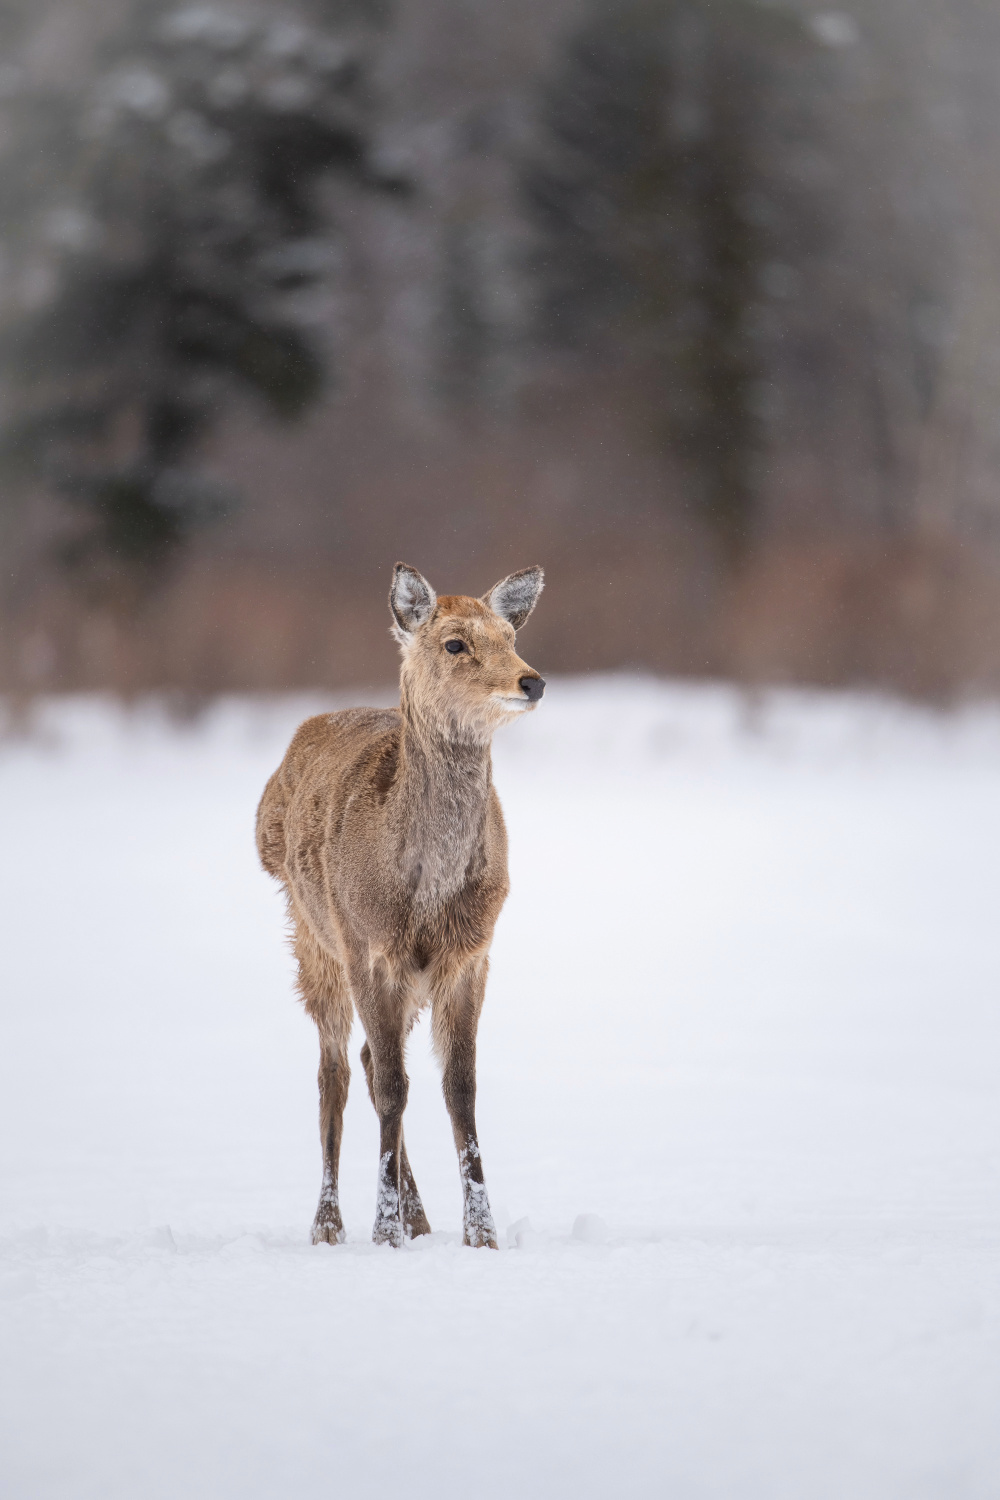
384, 827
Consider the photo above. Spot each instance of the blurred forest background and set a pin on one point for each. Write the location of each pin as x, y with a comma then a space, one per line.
695, 302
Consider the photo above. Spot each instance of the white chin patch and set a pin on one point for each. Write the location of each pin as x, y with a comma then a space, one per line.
512, 705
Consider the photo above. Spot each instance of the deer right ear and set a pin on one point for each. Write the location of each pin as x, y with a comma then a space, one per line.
411, 598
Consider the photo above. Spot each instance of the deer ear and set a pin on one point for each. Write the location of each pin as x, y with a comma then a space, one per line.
515, 596
411, 598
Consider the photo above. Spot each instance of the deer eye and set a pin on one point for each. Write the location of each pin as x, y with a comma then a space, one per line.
454, 647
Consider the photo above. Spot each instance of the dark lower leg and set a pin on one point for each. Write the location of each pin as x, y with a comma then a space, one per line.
389, 1090
334, 1077
414, 1219
460, 1097
412, 1210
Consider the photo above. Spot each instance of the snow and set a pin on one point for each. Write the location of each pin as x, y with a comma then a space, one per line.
737, 1103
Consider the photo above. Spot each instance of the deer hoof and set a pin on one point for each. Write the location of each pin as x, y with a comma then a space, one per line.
328, 1234
416, 1226
480, 1230
388, 1232
480, 1239
479, 1235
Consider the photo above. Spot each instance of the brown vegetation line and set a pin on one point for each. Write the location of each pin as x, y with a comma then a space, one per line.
386, 831
914, 615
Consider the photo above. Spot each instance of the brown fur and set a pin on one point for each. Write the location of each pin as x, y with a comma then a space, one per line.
384, 827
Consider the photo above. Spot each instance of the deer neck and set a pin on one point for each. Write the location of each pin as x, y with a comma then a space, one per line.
443, 789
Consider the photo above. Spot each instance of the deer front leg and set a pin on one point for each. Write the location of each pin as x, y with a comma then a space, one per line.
456, 1021
390, 1087
381, 1004
414, 1218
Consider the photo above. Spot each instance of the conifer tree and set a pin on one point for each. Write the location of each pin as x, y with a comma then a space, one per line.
166, 236
656, 208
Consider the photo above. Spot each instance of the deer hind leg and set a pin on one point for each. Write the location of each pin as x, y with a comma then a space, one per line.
455, 1023
411, 1208
324, 988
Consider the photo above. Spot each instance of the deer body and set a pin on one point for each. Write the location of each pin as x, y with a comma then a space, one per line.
387, 833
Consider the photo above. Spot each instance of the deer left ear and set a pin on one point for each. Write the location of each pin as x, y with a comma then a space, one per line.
515, 596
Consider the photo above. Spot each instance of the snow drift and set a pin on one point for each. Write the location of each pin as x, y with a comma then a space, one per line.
738, 1110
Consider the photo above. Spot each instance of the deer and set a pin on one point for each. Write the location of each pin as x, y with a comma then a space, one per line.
385, 829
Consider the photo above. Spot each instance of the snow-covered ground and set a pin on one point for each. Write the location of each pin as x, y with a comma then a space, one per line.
742, 1033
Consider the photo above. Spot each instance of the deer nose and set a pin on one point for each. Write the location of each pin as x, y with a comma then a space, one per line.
533, 687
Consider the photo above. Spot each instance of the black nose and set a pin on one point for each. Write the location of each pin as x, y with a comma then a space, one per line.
534, 687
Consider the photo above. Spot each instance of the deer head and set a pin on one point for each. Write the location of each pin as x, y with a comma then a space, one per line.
461, 675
